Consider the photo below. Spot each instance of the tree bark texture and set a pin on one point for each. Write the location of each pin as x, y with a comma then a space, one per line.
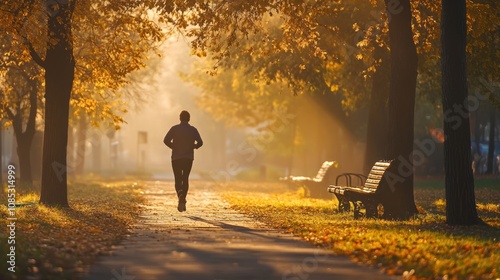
401, 106
59, 76
459, 180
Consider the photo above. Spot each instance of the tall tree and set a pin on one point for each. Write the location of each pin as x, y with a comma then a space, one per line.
59, 67
459, 182
401, 106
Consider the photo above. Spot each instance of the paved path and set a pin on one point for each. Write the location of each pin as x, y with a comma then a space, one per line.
210, 241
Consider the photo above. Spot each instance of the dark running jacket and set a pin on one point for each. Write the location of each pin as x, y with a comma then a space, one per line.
183, 139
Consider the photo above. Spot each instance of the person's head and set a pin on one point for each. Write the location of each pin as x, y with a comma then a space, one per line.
184, 116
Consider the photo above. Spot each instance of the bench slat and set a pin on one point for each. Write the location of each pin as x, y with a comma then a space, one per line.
381, 168
323, 170
371, 185
373, 176
372, 181
336, 189
377, 172
383, 163
361, 190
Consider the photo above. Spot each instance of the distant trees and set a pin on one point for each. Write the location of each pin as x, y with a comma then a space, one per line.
303, 47
20, 103
92, 45
234, 98
87, 48
483, 38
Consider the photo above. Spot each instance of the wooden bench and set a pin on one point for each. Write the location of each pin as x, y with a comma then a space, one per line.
362, 191
319, 183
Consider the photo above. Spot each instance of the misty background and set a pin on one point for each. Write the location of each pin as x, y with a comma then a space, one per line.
298, 143
229, 152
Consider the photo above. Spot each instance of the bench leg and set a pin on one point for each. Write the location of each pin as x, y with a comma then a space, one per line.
357, 210
344, 205
371, 210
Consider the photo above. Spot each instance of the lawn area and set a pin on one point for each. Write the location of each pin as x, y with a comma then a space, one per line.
421, 248
56, 243
52, 243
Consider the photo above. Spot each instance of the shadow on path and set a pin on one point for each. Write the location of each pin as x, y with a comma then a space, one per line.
212, 241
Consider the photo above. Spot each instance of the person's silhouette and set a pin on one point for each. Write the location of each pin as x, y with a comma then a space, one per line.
182, 139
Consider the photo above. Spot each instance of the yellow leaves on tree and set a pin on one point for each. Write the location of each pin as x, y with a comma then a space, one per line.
111, 40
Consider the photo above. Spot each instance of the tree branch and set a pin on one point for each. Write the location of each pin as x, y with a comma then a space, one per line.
30, 125
10, 114
36, 57
7, 11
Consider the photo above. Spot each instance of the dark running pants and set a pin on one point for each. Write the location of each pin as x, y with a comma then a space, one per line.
182, 168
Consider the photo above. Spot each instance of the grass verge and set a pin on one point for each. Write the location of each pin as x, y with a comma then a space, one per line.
421, 248
59, 243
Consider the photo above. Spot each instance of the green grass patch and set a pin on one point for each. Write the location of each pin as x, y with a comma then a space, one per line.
60, 243
487, 182
421, 248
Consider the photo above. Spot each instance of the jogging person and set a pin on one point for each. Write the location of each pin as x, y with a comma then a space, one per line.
182, 138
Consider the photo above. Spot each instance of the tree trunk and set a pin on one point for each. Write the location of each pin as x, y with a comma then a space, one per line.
477, 132
401, 106
81, 142
71, 151
376, 135
59, 75
25, 138
97, 154
491, 142
1, 152
459, 180
24, 155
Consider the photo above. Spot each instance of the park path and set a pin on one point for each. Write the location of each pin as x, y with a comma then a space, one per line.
210, 241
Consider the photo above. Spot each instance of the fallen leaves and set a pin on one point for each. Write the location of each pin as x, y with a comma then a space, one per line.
57, 243
421, 248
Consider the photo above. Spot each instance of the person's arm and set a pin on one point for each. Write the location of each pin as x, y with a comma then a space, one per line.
199, 142
168, 139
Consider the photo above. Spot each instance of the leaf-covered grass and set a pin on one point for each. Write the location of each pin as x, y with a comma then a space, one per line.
59, 243
421, 248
